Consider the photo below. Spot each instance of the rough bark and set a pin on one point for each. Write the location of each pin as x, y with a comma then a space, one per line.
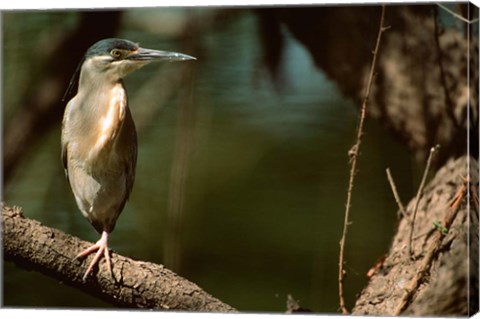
422, 96
450, 284
136, 284
421, 92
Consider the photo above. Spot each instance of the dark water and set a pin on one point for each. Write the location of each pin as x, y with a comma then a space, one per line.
240, 186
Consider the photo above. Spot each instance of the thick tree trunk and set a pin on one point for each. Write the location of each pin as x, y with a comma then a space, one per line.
441, 278
136, 284
427, 73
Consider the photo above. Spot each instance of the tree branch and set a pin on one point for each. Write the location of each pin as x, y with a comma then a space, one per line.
137, 284
417, 198
354, 151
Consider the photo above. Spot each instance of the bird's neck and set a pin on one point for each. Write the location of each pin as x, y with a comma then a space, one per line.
92, 81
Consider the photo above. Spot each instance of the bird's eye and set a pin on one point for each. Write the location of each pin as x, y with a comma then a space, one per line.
116, 53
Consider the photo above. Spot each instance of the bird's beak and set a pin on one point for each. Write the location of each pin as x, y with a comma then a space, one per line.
154, 55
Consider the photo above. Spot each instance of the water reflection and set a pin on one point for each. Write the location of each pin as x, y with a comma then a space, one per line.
263, 183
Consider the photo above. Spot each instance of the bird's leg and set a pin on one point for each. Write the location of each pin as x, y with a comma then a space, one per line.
101, 247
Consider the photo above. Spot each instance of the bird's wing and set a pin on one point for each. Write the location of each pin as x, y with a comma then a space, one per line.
64, 158
64, 149
132, 163
129, 151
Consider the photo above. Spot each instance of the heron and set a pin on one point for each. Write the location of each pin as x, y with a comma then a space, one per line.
99, 140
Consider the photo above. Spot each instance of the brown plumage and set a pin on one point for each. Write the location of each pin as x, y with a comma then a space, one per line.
99, 140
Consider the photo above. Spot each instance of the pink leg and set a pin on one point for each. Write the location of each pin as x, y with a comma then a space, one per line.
101, 247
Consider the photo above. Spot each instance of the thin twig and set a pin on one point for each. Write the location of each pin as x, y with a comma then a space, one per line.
353, 161
456, 15
417, 199
395, 194
432, 250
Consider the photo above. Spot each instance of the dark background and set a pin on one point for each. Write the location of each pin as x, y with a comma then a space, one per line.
242, 168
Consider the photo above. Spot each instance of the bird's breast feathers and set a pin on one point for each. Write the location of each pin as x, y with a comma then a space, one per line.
110, 123
91, 137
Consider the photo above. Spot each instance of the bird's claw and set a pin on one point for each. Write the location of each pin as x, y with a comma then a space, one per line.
101, 247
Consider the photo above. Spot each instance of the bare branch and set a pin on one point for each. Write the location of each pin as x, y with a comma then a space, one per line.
456, 15
353, 153
136, 284
395, 193
417, 198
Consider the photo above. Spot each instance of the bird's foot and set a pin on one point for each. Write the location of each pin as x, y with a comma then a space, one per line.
101, 247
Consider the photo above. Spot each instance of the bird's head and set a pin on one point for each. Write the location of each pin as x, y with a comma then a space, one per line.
115, 58
112, 59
